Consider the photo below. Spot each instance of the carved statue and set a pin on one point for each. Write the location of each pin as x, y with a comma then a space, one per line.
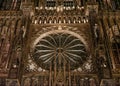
27, 82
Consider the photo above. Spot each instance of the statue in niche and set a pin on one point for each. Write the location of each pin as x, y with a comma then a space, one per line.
35, 82
86, 81
96, 32
27, 82
12, 28
18, 56
45, 82
92, 82
102, 59
23, 31
103, 70
59, 79
81, 82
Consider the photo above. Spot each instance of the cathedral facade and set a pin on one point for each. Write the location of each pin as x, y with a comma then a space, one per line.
59, 43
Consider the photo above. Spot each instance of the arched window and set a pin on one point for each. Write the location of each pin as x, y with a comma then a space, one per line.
50, 3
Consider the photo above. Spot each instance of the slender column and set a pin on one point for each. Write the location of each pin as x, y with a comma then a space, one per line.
50, 76
69, 74
64, 73
74, 80
55, 70
81, 82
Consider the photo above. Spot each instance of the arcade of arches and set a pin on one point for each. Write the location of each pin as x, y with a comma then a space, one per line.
59, 43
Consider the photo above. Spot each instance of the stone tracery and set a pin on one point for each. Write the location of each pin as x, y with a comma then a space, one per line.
30, 29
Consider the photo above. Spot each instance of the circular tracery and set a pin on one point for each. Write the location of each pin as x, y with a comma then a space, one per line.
58, 49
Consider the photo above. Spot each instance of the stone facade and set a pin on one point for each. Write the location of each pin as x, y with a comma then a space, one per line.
59, 43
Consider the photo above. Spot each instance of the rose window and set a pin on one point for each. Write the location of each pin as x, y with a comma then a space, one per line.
58, 49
